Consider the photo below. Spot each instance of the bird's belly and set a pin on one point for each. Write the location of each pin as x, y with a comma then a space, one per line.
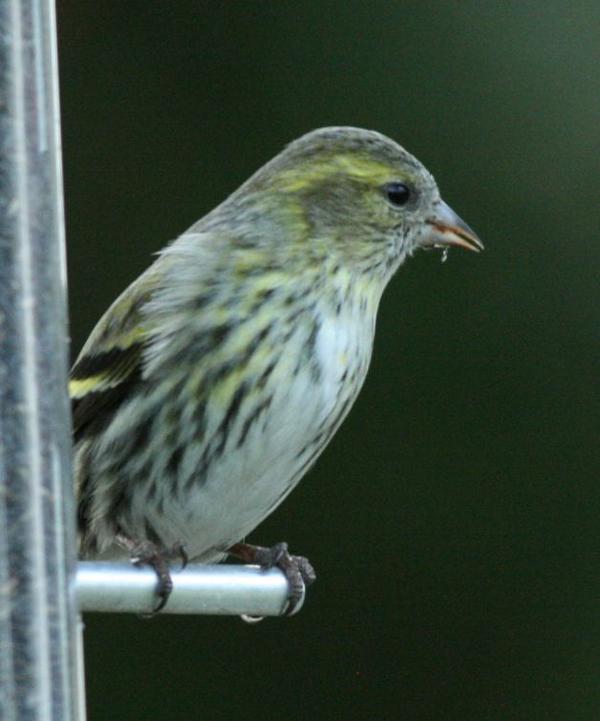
244, 484
258, 466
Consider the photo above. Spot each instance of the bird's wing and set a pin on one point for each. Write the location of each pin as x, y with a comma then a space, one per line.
110, 362
117, 353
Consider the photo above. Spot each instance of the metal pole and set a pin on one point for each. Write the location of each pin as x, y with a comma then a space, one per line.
222, 590
40, 662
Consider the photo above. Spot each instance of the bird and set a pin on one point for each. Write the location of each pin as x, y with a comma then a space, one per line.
213, 383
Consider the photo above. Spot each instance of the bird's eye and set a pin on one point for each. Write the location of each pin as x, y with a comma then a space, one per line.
397, 193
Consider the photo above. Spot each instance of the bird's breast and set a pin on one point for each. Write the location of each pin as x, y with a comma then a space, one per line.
263, 429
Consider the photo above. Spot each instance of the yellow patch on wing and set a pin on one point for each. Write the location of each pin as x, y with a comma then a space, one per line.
79, 387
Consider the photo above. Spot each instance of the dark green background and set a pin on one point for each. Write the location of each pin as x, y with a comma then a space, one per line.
454, 519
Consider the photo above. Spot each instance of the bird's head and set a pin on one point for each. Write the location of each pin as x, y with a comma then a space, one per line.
357, 195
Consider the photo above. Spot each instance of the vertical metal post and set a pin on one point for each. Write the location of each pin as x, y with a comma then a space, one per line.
40, 663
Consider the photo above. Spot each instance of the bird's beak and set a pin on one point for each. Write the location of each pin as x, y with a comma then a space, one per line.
444, 229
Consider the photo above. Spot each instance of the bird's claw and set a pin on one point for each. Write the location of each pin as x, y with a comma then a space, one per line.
298, 570
147, 553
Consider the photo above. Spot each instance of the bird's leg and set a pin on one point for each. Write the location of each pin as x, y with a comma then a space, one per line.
147, 553
297, 569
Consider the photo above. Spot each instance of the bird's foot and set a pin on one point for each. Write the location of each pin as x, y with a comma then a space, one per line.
297, 569
147, 553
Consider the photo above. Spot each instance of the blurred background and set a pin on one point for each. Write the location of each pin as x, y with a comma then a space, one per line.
453, 521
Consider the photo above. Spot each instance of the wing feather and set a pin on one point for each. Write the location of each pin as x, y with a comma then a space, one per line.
110, 363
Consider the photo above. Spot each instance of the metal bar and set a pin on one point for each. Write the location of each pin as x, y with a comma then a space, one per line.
40, 667
200, 589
